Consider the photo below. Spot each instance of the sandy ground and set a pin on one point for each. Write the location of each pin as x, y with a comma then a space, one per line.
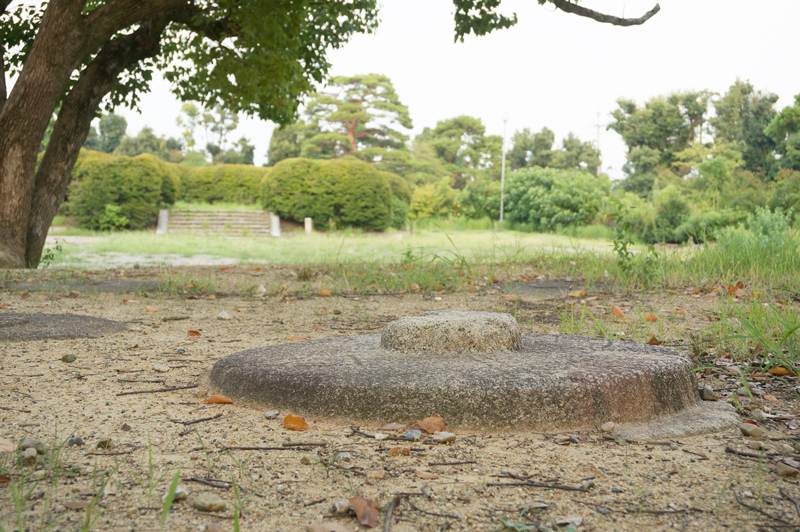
482, 481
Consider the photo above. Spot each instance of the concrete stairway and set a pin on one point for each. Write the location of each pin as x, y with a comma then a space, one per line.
232, 223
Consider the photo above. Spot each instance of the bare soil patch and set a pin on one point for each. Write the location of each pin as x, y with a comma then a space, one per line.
526, 478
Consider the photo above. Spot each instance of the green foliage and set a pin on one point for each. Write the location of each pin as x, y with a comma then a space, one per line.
546, 198
400, 188
112, 131
672, 208
120, 192
147, 142
785, 192
233, 183
434, 201
335, 193
399, 213
285, 142
702, 226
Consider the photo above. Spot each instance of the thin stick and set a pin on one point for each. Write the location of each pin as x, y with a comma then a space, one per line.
174, 318
762, 512
108, 454
452, 463
156, 381
750, 455
14, 409
214, 483
192, 422
702, 456
312, 503
160, 390
387, 521
417, 508
537, 485
797, 506
305, 444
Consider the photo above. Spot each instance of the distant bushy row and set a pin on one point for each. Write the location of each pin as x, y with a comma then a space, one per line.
109, 192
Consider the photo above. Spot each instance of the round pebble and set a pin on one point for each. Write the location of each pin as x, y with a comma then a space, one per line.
444, 437
75, 440
272, 414
208, 502
752, 431
69, 358
413, 435
707, 394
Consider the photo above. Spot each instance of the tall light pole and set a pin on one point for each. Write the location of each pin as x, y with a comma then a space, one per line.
503, 169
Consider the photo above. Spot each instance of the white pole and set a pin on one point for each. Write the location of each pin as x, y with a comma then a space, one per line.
503, 171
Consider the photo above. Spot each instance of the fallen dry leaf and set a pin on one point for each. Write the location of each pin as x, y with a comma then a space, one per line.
130, 301
4, 479
194, 333
74, 293
510, 298
739, 293
318, 327
414, 287
327, 527
654, 341
298, 338
778, 370
393, 426
400, 451
74, 505
366, 514
577, 293
291, 422
617, 311
218, 399
325, 293
679, 311
6, 445
758, 374
150, 309
432, 424
771, 398
376, 474
651, 317
425, 475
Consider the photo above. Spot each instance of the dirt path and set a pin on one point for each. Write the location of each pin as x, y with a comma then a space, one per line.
479, 482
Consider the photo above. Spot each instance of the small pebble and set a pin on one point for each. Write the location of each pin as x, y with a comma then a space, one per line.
752, 431
69, 358
104, 443
281, 489
29, 443
786, 470
208, 502
223, 316
588, 484
465, 496
180, 494
608, 426
29, 456
161, 368
272, 414
376, 474
215, 527
758, 415
380, 436
707, 394
75, 440
616, 490
756, 445
413, 435
444, 437
339, 507
308, 459
343, 458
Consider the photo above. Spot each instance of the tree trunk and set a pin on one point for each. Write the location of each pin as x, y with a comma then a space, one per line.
72, 127
24, 119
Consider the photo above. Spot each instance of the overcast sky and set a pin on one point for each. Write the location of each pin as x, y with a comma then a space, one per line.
553, 69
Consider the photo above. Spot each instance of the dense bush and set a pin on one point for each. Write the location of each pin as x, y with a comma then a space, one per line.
334, 193
702, 226
398, 185
228, 183
547, 198
785, 193
133, 187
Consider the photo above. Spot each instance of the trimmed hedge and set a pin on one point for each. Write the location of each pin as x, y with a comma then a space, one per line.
234, 183
133, 187
334, 193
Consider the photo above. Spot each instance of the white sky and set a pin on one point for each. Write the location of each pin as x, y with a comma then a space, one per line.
553, 69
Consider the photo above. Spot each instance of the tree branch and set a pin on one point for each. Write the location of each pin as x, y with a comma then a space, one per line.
73, 122
110, 18
575, 9
194, 20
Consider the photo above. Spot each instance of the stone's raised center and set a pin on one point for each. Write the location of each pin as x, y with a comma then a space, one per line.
441, 332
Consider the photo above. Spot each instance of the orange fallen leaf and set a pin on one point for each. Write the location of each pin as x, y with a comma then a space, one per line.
771, 398
218, 400
617, 311
5, 305
297, 338
74, 293
325, 293
651, 317
194, 333
327, 527
225, 269
366, 514
393, 426
130, 301
291, 422
150, 309
4, 479
425, 475
778, 370
400, 451
414, 287
510, 298
758, 374
750, 422
577, 293
317, 327
679, 311
432, 424
654, 341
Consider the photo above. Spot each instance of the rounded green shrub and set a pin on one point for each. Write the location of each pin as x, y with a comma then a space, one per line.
134, 188
229, 183
336, 192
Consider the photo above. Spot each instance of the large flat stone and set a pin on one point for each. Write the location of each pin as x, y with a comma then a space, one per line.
17, 327
551, 383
